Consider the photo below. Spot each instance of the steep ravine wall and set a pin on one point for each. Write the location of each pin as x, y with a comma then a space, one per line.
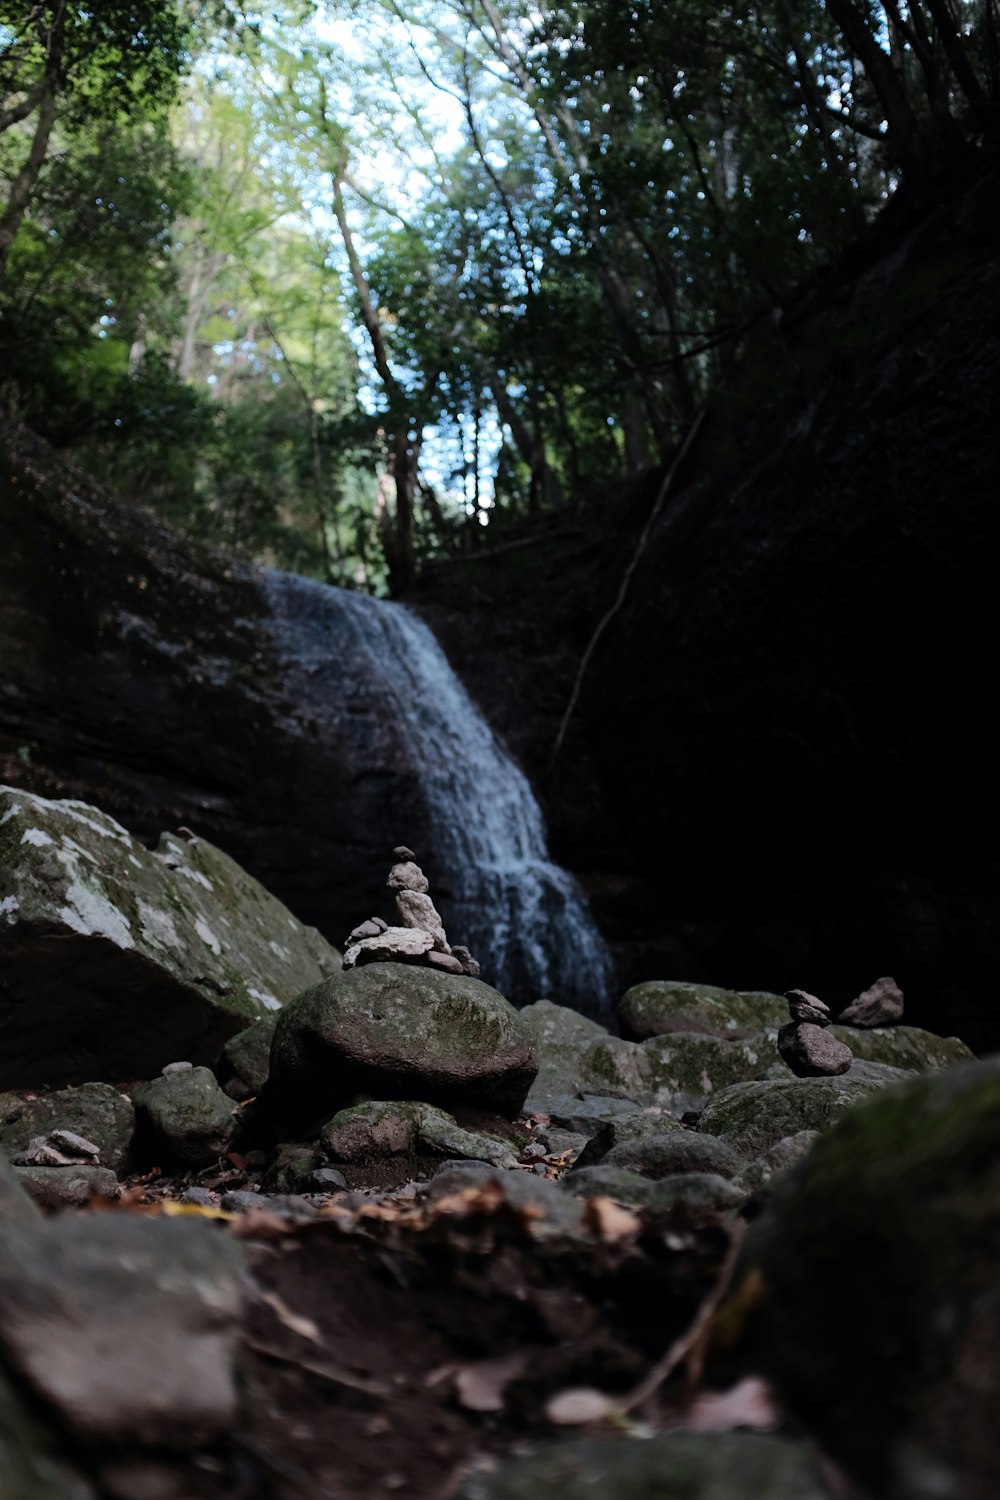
787, 733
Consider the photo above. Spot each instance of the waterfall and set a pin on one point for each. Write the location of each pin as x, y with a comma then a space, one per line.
499, 893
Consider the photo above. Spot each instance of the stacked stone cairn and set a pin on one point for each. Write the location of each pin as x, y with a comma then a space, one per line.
419, 937
810, 1051
805, 1045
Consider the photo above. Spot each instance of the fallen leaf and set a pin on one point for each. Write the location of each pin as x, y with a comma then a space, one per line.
750, 1403
481, 1386
237, 1160
576, 1407
185, 1210
610, 1220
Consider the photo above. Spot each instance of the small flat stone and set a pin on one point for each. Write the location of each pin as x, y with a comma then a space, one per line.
73, 1144
880, 1005
402, 853
399, 945
469, 964
368, 929
446, 962
200, 1197
806, 1007
175, 1067
811, 1052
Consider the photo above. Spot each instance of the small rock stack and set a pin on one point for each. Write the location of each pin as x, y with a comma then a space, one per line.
805, 1045
419, 938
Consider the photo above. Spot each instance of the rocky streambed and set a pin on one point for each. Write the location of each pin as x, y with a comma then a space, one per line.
270, 1227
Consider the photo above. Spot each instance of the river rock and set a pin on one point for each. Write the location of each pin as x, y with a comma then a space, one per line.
396, 1138
666, 1466
585, 1114
903, 1047
691, 1199
16, 1206
416, 909
66, 1187
191, 1120
406, 875
115, 960
397, 945
639, 1126
805, 1007
752, 1117
684, 1069
393, 1031
885, 1240
95, 1111
125, 1326
811, 1052
659, 1007
879, 1005
758, 1177
245, 1061
670, 1154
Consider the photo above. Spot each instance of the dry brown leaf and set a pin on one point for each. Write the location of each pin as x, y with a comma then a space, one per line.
257, 1223
750, 1403
610, 1220
576, 1407
304, 1327
185, 1210
481, 1386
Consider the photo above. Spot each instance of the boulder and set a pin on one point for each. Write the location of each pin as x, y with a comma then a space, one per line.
642, 1125
883, 1244
189, 1117
684, 1069
124, 1326
661, 1006
66, 1187
811, 1051
671, 1154
245, 1061
757, 1178
396, 1137
114, 959
753, 1117
95, 1111
691, 1199
666, 1466
903, 1047
584, 1114
393, 1031
879, 1005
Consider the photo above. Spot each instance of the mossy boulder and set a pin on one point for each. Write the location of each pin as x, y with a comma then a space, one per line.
642, 1125
684, 1069
394, 1031
753, 1117
95, 1111
389, 1141
674, 1153
245, 1061
903, 1047
759, 1177
187, 1117
884, 1244
659, 1007
668, 1466
691, 1199
115, 959
578, 1056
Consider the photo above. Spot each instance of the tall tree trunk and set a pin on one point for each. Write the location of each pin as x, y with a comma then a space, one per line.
24, 183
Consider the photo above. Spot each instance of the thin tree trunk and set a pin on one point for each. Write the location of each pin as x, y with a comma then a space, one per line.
24, 183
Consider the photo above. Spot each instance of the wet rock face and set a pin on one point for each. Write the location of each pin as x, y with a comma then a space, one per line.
167, 684
97, 931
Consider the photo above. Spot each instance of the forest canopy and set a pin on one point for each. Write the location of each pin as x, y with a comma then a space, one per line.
337, 284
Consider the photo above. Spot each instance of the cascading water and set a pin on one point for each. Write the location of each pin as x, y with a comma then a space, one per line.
521, 915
